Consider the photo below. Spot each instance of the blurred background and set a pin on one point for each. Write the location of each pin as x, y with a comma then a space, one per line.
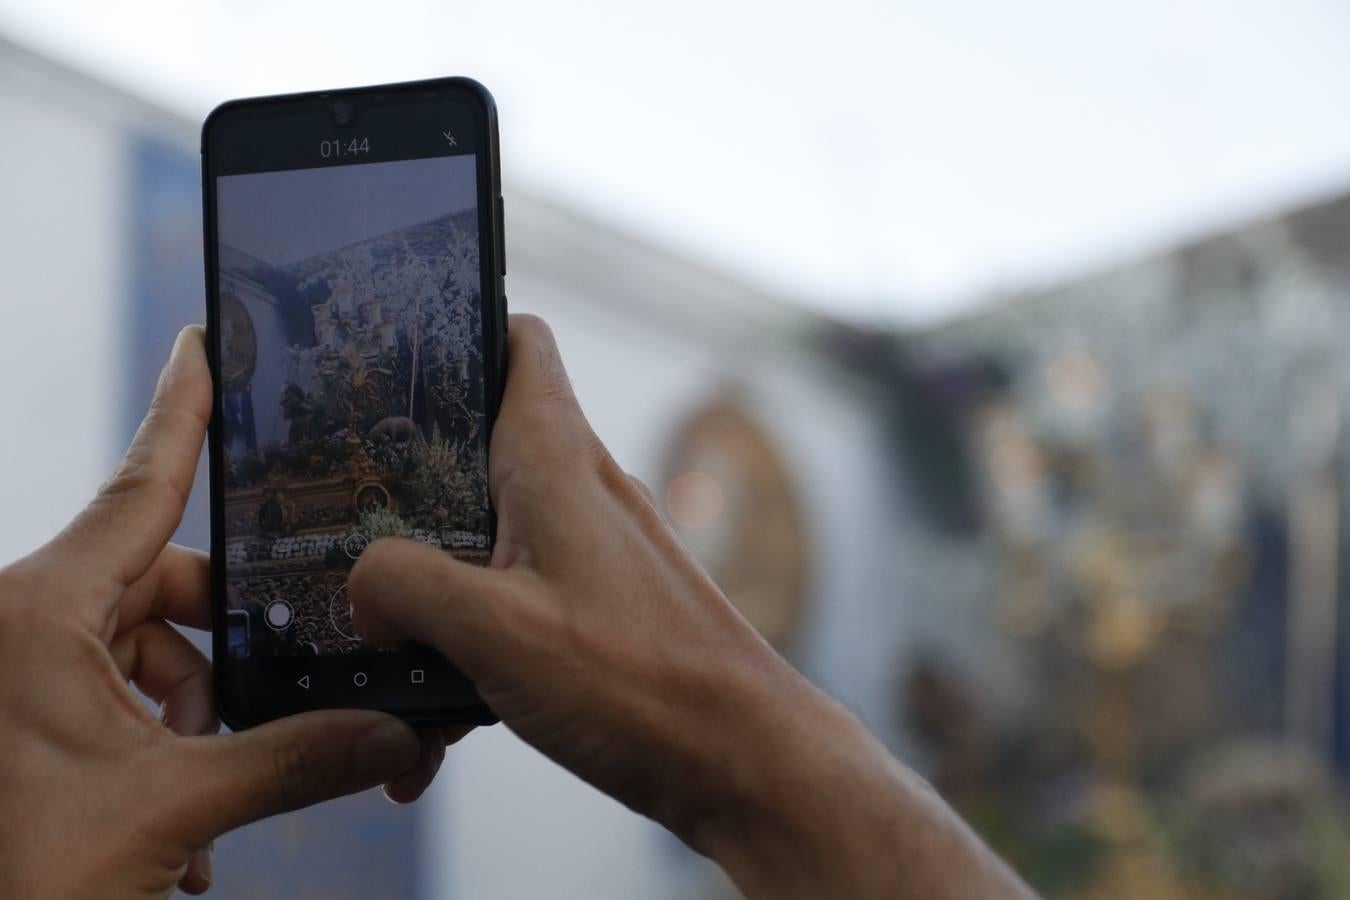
988, 355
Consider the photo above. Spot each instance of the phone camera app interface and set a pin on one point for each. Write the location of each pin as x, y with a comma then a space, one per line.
352, 385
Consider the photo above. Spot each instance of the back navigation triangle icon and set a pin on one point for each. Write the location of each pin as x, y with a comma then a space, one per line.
303, 681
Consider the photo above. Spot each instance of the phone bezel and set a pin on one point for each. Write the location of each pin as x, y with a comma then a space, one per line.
262, 691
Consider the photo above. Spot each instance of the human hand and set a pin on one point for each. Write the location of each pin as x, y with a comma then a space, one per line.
599, 640
97, 796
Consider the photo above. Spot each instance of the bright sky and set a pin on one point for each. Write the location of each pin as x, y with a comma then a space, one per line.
894, 160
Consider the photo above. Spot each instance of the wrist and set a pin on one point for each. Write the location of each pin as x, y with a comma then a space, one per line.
807, 789
814, 806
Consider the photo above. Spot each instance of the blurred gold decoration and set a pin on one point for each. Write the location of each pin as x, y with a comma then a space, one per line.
1162, 462
1026, 607
1119, 811
1121, 632
1074, 380
1015, 472
1116, 568
731, 499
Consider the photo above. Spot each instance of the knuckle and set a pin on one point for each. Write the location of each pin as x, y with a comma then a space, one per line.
518, 487
296, 781
13, 582
572, 446
612, 475
521, 625
536, 337
642, 488
531, 616
510, 610
555, 385
23, 585
136, 477
644, 497
99, 515
596, 451
12, 605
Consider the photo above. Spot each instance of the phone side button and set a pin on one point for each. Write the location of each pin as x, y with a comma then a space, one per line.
501, 231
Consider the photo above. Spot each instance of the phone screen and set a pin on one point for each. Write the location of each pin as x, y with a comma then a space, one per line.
354, 378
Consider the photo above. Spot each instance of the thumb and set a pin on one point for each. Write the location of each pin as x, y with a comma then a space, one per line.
405, 590
289, 764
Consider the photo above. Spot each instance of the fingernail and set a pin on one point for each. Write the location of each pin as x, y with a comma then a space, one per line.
185, 334
174, 353
177, 349
389, 795
203, 862
389, 748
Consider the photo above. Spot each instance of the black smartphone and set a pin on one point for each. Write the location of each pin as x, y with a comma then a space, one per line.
356, 320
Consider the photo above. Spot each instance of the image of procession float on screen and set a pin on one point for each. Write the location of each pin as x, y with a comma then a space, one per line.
352, 386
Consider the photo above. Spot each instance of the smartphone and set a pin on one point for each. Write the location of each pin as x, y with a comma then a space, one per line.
356, 320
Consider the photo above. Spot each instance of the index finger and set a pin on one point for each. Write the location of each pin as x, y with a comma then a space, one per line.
538, 400
536, 370
123, 529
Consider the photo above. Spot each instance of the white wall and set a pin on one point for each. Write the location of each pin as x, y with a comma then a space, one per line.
61, 280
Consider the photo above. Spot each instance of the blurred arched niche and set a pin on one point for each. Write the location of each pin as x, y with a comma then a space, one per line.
727, 491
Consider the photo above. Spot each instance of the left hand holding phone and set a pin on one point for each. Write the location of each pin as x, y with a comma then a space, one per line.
97, 796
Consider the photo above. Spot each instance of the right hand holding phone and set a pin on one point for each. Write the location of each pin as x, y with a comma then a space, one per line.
597, 638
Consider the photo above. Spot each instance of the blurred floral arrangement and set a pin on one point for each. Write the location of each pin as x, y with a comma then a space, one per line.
1124, 558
